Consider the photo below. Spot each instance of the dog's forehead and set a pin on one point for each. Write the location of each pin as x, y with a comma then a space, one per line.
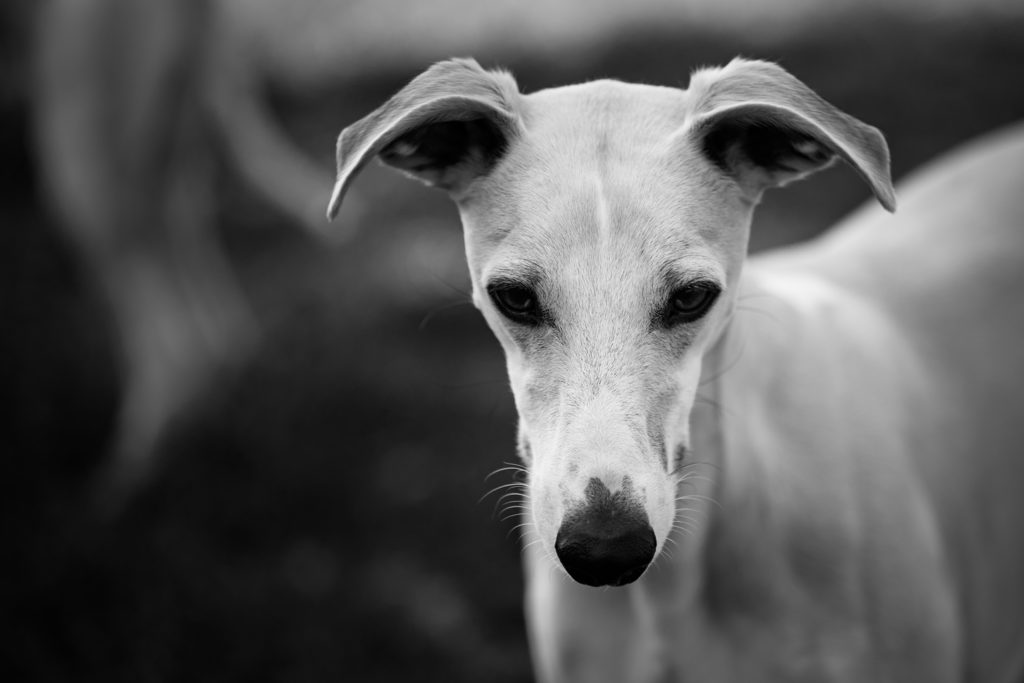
625, 111
602, 169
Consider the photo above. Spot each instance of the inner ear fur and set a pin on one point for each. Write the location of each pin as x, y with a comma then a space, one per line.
764, 150
447, 154
447, 127
764, 128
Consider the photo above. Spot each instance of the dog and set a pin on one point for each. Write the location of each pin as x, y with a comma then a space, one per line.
801, 467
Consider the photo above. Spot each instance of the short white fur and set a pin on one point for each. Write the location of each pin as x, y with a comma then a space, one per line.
829, 458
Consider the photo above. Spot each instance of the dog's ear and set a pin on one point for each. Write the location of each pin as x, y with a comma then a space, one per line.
447, 127
765, 128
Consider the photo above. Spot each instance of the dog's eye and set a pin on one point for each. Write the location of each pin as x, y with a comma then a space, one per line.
690, 302
517, 302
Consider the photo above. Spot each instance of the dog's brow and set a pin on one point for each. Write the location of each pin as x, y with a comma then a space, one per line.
525, 272
678, 273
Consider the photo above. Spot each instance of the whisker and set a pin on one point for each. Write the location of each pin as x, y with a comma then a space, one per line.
441, 309
699, 497
698, 463
511, 514
529, 545
509, 467
689, 522
687, 476
693, 521
511, 494
511, 510
499, 488
685, 527
520, 529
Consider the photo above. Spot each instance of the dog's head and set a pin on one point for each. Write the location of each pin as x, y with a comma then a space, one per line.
606, 227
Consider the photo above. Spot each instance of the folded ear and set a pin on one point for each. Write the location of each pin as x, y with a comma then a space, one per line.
765, 128
447, 127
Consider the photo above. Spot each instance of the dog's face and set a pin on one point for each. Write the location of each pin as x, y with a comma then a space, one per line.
605, 276
606, 227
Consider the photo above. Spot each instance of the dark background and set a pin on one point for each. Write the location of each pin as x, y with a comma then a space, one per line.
316, 515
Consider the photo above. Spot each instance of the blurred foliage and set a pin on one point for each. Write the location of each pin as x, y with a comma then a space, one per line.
316, 516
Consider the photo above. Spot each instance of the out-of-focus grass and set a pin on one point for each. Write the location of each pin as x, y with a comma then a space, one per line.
316, 517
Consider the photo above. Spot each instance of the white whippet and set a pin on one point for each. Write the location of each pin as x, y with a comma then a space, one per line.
808, 467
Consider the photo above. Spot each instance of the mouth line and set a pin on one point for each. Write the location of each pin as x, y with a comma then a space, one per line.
680, 458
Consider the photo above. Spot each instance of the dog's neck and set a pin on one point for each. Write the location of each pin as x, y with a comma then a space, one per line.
747, 456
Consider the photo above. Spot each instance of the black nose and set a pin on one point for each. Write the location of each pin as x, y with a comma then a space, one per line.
606, 542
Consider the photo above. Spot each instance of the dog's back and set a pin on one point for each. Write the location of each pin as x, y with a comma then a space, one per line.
947, 270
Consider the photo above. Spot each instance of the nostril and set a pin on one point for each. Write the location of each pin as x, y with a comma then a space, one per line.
609, 554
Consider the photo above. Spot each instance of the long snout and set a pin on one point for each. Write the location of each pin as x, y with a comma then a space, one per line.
607, 540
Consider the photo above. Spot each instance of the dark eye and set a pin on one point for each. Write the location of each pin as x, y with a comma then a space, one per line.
690, 302
516, 301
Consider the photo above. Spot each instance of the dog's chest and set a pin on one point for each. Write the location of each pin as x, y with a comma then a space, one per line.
694, 649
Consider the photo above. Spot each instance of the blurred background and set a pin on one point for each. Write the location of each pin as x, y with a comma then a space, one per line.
241, 444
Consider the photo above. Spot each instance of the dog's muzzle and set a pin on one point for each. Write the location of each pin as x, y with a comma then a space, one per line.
607, 541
